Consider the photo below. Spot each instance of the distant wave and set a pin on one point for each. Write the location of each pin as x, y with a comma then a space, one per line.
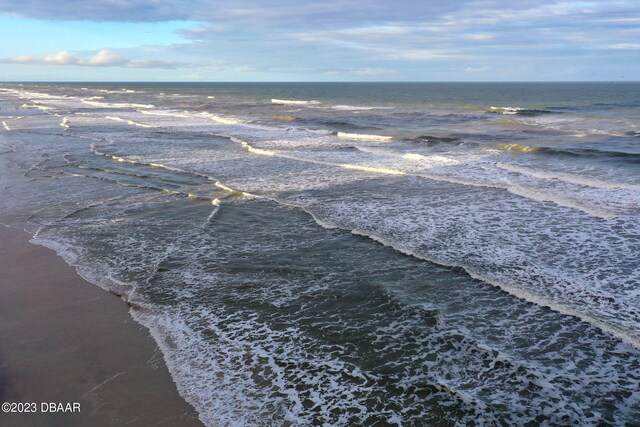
318, 131
359, 107
333, 123
225, 120
363, 168
39, 107
566, 177
517, 147
283, 118
434, 140
251, 149
130, 122
431, 159
364, 137
231, 190
519, 111
542, 195
591, 152
295, 102
167, 114
571, 152
116, 104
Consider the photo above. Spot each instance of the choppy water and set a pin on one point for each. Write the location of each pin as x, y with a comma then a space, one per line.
353, 254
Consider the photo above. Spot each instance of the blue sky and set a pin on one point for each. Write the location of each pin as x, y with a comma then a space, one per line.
330, 40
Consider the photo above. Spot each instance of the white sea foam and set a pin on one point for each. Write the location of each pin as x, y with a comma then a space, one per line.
319, 131
167, 113
543, 195
372, 169
231, 190
130, 122
253, 150
359, 107
5, 125
123, 159
116, 104
398, 230
364, 137
566, 177
38, 107
431, 159
507, 110
295, 102
225, 120
543, 301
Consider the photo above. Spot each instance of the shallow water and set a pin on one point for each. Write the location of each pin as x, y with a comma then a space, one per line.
353, 253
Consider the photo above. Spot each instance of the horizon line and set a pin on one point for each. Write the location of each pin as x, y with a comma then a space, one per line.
315, 81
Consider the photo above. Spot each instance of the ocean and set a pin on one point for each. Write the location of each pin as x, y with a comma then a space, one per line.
352, 253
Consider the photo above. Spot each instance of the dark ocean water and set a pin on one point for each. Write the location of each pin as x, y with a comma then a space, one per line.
353, 254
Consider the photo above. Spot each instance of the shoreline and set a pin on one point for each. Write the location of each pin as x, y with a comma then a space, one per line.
65, 340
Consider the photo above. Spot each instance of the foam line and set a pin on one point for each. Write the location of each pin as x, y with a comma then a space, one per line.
364, 137
566, 177
529, 193
251, 149
130, 122
517, 147
166, 114
231, 190
294, 102
522, 294
116, 104
359, 107
541, 195
372, 169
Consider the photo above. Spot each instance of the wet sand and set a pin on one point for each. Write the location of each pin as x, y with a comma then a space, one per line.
65, 340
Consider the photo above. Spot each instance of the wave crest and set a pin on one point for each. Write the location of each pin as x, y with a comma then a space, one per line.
295, 102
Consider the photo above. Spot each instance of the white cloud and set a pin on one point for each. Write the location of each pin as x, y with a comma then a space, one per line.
245, 69
60, 58
625, 46
476, 69
420, 55
103, 58
480, 36
372, 71
106, 58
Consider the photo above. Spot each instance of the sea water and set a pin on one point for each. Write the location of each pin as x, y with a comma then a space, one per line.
353, 254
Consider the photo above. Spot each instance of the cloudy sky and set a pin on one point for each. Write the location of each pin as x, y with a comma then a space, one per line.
319, 40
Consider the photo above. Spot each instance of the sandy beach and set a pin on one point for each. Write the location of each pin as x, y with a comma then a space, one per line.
64, 340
